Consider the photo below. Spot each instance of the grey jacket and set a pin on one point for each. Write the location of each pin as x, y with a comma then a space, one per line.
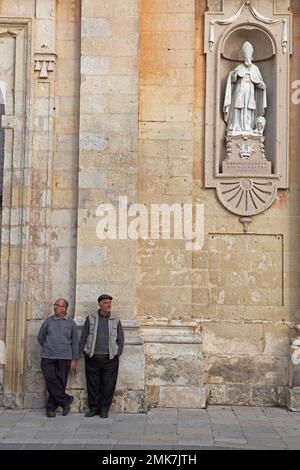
59, 338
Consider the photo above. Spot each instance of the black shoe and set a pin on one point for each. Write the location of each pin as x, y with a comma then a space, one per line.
91, 413
103, 414
50, 414
66, 409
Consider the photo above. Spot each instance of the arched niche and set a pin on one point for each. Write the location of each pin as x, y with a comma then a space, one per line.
264, 56
263, 45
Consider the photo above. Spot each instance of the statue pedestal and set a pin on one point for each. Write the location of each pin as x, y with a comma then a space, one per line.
246, 155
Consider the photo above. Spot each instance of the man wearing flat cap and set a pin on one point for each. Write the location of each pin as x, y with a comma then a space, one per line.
102, 342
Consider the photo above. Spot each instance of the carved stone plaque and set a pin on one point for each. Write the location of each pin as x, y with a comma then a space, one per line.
246, 155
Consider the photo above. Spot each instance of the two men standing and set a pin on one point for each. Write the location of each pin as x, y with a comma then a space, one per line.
102, 343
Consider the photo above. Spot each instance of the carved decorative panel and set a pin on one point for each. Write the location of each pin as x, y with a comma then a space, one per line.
44, 62
247, 51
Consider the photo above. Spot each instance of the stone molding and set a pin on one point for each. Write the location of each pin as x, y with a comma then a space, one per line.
255, 13
184, 339
260, 193
15, 181
44, 63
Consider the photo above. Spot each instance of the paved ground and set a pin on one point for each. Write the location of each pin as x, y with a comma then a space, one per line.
217, 427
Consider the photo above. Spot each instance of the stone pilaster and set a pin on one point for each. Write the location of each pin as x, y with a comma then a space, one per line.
37, 286
108, 149
164, 281
16, 34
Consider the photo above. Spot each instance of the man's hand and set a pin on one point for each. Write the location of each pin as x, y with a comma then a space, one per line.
73, 366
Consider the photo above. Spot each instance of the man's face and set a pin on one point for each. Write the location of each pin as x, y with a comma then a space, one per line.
105, 306
60, 309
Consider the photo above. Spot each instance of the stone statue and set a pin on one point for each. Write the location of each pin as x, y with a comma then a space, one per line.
245, 98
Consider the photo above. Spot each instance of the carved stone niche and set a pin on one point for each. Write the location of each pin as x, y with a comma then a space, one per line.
247, 167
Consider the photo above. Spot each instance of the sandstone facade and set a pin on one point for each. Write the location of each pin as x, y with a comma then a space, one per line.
103, 99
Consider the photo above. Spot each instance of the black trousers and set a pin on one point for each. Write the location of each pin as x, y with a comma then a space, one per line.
56, 377
101, 378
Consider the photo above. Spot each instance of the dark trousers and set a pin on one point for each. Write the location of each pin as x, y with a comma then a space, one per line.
101, 378
56, 376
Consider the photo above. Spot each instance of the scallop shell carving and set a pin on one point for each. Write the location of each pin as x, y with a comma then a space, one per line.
246, 196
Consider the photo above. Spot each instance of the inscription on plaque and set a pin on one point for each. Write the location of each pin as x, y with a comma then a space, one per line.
246, 154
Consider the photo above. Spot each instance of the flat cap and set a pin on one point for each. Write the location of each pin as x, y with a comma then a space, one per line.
104, 297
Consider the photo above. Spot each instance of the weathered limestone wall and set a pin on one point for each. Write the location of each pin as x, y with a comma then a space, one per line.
165, 149
294, 220
294, 210
56, 180
240, 286
108, 140
110, 102
173, 351
63, 234
108, 148
18, 193
250, 301
45, 254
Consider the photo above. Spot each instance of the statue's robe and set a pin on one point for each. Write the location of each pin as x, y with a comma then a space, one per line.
244, 101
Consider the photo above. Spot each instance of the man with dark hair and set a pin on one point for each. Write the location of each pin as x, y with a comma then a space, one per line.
59, 339
102, 341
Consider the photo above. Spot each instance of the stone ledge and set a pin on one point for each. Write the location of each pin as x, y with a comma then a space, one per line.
184, 339
166, 322
134, 340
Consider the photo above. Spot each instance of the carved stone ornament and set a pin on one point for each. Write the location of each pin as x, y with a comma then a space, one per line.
10, 31
247, 93
246, 196
257, 16
44, 62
